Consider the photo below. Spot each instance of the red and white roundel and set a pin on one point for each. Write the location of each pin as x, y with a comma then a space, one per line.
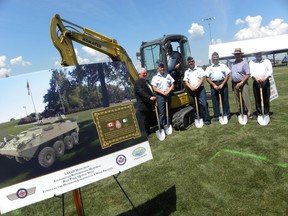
121, 160
22, 193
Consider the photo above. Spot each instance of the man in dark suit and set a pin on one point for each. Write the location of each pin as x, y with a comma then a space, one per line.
145, 99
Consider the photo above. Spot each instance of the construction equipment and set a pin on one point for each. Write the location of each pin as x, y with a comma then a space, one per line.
47, 141
151, 53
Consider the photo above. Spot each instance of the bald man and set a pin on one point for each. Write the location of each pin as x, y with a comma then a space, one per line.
145, 99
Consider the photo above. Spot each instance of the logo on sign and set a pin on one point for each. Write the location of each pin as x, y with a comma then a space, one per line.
22, 193
139, 151
110, 124
118, 124
121, 160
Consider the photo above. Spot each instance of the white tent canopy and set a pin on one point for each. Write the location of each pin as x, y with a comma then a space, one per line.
269, 45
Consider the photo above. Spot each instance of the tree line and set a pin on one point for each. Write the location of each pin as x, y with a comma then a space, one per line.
87, 86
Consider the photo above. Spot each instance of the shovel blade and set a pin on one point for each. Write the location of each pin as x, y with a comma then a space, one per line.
168, 129
243, 119
263, 120
223, 120
199, 123
160, 134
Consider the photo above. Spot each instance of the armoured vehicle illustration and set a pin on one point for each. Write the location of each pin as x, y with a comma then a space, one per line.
47, 141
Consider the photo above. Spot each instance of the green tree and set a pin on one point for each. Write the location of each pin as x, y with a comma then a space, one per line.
56, 96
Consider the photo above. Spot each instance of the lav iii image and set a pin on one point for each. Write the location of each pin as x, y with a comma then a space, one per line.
47, 141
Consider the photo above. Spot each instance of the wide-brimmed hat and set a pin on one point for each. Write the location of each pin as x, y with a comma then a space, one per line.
237, 50
258, 51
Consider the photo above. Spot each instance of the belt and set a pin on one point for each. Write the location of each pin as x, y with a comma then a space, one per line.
217, 80
236, 82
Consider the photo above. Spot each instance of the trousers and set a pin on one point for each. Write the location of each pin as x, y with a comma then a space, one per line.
200, 95
266, 97
162, 100
247, 105
216, 100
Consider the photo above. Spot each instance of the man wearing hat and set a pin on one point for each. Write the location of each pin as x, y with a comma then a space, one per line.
194, 78
217, 75
240, 74
162, 84
261, 70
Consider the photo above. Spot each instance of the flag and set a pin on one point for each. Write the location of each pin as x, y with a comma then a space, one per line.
57, 87
110, 124
28, 87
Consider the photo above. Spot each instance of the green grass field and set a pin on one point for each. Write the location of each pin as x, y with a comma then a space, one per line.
216, 170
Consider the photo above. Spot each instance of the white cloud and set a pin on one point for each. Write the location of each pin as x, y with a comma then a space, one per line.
253, 22
95, 57
255, 30
4, 70
275, 27
217, 41
57, 63
239, 22
196, 31
2, 61
98, 56
80, 59
19, 61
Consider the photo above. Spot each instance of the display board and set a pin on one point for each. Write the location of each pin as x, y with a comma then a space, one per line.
64, 128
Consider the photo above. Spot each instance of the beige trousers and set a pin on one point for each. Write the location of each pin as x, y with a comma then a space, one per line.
247, 106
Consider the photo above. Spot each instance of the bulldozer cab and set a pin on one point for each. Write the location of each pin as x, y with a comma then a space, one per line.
170, 50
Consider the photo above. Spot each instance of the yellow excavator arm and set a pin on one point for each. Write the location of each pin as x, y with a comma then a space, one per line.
63, 38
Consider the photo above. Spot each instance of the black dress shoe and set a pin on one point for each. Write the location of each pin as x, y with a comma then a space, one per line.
207, 122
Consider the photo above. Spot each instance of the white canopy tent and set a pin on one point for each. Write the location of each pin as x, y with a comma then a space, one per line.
269, 45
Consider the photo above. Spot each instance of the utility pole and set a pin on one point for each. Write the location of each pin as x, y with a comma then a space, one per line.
209, 20
30, 93
60, 97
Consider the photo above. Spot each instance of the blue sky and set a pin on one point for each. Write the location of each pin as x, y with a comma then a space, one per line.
15, 101
25, 44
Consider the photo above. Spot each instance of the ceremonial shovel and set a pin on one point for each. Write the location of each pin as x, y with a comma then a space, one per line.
198, 121
167, 127
242, 119
160, 132
263, 119
222, 119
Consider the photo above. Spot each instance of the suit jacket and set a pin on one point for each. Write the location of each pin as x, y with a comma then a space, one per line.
142, 94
